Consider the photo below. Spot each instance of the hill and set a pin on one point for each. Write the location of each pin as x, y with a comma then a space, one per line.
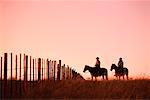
79, 89
114, 89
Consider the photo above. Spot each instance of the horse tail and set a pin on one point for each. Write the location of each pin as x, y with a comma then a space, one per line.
127, 73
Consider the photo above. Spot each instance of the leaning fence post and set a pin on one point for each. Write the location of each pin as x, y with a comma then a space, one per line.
5, 74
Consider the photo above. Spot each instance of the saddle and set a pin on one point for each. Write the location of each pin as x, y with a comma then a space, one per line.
120, 70
98, 69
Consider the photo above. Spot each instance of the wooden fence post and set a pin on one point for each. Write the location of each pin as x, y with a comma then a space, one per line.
36, 68
16, 67
58, 72
20, 68
26, 68
11, 77
16, 73
47, 69
42, 69
5, 74
5, 67
39, 69
54, 69
33, 72
20, 75
70, 73
1, 80
30, 70
26, 73
67, 72
63, 72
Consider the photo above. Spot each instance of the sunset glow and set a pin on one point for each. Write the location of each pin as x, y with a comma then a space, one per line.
78, 31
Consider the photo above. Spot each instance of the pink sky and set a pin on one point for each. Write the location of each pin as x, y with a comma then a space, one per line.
78, 31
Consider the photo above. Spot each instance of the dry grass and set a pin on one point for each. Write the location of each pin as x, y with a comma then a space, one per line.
82, 89
113, 89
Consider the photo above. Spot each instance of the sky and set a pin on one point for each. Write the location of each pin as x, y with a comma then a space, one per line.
78, 31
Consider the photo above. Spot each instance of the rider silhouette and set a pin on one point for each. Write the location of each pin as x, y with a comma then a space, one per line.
97, 65
120, 64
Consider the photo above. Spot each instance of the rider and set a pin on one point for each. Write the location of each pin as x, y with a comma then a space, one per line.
97, 65
120, 63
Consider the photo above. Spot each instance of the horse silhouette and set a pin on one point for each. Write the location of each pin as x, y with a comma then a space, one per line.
95, 72
119, 72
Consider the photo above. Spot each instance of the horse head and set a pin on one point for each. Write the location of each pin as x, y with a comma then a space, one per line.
85, 68
113, 66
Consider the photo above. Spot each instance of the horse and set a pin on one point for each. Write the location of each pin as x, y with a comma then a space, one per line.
95, 72
119, 72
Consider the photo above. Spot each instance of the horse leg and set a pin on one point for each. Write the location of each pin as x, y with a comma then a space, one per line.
92, 77
95, 78
119, 77
106, 77
103, 77
123, 77
127, 76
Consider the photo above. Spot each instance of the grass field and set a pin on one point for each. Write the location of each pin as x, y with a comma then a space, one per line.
82, 89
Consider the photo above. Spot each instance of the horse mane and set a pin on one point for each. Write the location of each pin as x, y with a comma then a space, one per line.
87, 66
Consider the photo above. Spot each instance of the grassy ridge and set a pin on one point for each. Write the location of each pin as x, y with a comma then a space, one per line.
80, 89
135, 89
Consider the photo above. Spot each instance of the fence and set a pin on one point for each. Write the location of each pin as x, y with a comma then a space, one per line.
24, 69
